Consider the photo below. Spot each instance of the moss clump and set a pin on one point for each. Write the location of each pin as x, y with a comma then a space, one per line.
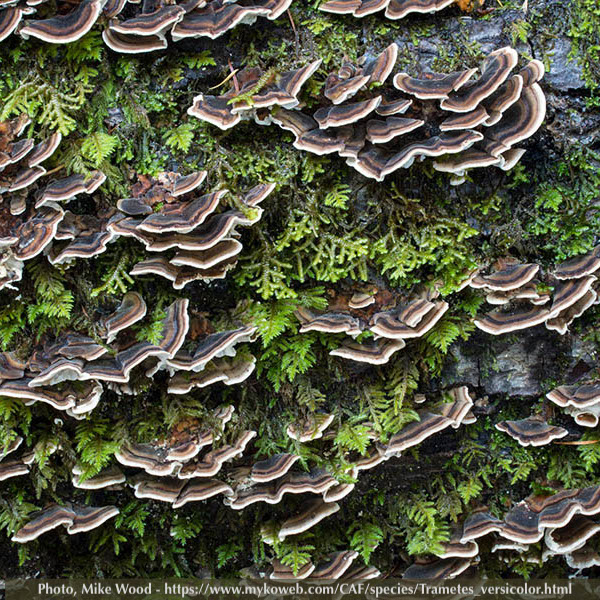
584, 32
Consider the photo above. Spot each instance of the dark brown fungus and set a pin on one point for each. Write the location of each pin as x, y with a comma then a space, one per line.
560, 322
10, 366
272, 468
499, 322
64, 29
533, 431
392, 327
89, 517
313, 513
69, 187
511, 277
196, 491
215, 19
375, 353
569, 292
333, 323
43, 521
479, 524
580, 266
468, 120
182, 217
447, 568
335, 565
494, 72
398, 9
381, 132
578, 396
414, 433
133, 44
519, 122
10, 17
149, 24
341, 7
132, 309
432, 86
310, 430
345, 114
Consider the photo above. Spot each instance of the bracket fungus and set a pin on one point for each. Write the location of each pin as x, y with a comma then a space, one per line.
272, 468
394, 9
182, 471
580, 266
188, 241
20, 465
446, 415
533, 431
470, 122
311, 513
443, 568
516, 289
70, 373
31, 213
582, 402
375, 353
105, 479
144, 29
63, 29
75, 519
411, 318
577, 396
316, 481
562, 524
311, 429
335, 565
227, 110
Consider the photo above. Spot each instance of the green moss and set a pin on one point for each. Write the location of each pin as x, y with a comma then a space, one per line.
564, 221
585, 36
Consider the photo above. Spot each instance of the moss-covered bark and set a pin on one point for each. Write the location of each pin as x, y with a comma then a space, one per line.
326, 231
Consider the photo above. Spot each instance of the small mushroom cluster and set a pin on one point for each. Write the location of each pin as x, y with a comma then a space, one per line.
313, 511
183, 470
69, 373
411, 318
563, 523
336, 565
135, 27
394, 9
146, 31
187, 239
76, 519
30, 214
581, 401
514, 286
471, 122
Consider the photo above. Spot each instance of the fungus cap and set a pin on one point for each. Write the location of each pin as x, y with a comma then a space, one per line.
532, 431
64, 29
433, 86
